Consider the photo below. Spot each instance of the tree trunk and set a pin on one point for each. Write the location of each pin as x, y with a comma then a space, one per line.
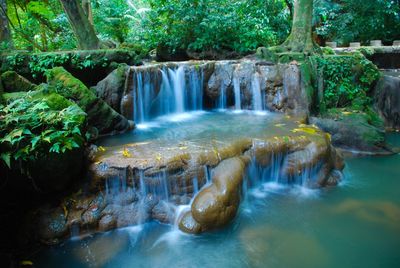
300, 38
87, 8
80, 24
5, 33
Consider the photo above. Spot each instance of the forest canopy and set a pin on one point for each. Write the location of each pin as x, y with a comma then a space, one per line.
201, 25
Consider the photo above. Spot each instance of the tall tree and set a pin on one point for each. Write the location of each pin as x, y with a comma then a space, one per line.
80, 24
87, 8
5, 33
300, 38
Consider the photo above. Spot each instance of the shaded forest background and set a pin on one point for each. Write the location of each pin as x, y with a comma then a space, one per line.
202, 25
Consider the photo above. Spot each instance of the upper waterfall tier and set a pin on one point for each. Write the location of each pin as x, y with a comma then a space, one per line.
165, 88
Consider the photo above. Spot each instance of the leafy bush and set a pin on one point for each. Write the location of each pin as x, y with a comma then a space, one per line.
347, 80
31, 128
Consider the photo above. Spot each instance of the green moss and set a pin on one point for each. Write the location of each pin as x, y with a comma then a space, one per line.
100, 115
13, 82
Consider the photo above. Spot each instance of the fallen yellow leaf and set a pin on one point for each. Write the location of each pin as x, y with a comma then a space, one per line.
25, 263
126, 153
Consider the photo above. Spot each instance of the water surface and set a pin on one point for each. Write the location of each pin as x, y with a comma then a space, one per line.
356, 224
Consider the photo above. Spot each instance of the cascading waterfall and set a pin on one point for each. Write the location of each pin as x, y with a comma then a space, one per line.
222, 98
143, 95
195, 93
256, 91
236, 91
181, 90
178, 81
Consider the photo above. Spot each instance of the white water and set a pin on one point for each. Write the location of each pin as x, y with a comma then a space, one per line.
181, 90
236, 91
257, 96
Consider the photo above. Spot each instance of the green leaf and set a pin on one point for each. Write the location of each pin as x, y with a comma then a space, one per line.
6, 157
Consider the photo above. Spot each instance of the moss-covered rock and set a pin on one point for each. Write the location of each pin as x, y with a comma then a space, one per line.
111, 88
354, 130
99, 113
13, 82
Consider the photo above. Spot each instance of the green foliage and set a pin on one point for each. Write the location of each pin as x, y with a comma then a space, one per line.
31, 129
357, 20
205, 25
39, 25
347, 80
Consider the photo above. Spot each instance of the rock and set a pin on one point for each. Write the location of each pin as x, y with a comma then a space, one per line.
163, 212
106, 223
99, 113
13, 82
51, 225
188, 224
353, 132
217, 204
221, 78
387, 100
111, 88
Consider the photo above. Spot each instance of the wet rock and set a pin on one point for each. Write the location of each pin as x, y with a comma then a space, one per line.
221, 79
51, 225
217, 204
106, 223
111, 88
94, 211
387, 100
163, 212
188, 224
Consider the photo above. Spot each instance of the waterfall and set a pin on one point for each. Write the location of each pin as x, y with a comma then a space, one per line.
195, 92
222, 98
256, 91
180, 90
236, 91
143, 95
177, 78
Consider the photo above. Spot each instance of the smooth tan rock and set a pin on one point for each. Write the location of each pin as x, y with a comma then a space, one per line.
188, 224
217, 204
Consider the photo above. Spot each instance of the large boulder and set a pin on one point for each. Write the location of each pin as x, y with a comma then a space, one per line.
354, 132
387, 100
111, 88
99, 113
13, 82
217, 204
